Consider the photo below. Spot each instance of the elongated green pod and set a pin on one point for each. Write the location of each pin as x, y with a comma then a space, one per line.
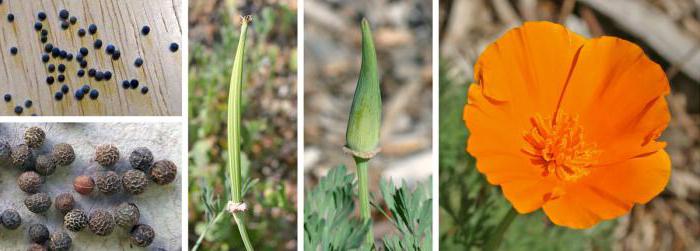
362, 135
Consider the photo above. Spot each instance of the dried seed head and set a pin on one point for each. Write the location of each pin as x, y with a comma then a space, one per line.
64, 203
107, 182
63, 154
163, 172
107, 155
141, 158
127, 215
142, 235
10, 219
76, 220
22, 157
34, 137
30, 182
45, 165
60, 241
83, 184
134, 182
38, 233
101, 222
38, 203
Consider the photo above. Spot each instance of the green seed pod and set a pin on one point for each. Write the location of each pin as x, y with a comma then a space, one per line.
362, 136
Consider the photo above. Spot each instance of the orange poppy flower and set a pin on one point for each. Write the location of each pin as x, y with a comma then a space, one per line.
569, 124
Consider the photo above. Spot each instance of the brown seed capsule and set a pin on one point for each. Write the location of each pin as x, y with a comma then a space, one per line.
36, 247
163, 172
101, 222
76, 220
63, 154
64, 203
45, 165
38, 233
141, 158
38, 203
34, 137
142, 235
127, 215
83, 184
30, 182
107, 182
134, 182
22, 157
107, 155
60, 241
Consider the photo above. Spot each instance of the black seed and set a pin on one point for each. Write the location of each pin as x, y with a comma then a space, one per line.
138, 62
79, 57
92, 29
81, 72
61, 78
79, 94
117, 54
44, 32
50, 80
174, 47
144, 89
134, 83
10, 17
55, 52
48, 48
110, 49
108, 75
69, 57
94, 94
99, 76
81, 32
13, 50
83, 64
44, 39
145, 30
98, 44
38, 26
18, 110
125, 84
8, 97
28, 103
62, 68
41, 16
45, 58
64, 54
85, 88
63, 14
58, 95
92, 72
52, 68
84, 51
64, 25
73, 20
65, 89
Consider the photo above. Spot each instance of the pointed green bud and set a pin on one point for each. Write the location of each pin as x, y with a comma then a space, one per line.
362, 136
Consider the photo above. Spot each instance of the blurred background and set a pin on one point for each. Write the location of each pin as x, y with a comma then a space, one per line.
402, 35
268, 124
669, 33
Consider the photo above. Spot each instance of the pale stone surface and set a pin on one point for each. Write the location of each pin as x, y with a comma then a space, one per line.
160, 205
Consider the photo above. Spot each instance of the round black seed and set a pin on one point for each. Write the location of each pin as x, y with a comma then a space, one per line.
83, 64
110, 49
79, 57
41, 16
69, 57
61, 78
7, 97
144, 89
84, 51
52, 68
138, 62
64, 54
108, 75
81, 72
92, 29
92, 72
99, 76
134, 83
58, 96
94, 94
117, 54
64, 25
125, 84
44, 32
48, 47
65, 89
55, 52
73, 20
63, 14
79, 94
18, 110
50, 80
98, 44
145, 30
13, 50
44, 39
45, 58
10, 17
38, 26
62, 68
174, 47
81, 32
28, 103
85, 88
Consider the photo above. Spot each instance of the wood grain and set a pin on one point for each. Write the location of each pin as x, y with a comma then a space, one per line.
119, 22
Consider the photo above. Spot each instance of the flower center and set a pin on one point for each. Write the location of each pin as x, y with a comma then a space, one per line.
558, 147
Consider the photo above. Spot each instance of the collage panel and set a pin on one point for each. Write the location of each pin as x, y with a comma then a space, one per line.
368, 125
93, 58
91, 186
242, 125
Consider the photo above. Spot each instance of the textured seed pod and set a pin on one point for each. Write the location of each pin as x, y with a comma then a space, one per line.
45, 165
22, 157
107, 155
101, 222
127, 215
141, 158
38, 203
34, 137
83, 184
10, 219
134, 181
64, 203
36, 247
30, 182
5, 152
107, 182
142, 235
163, 172
63, 154
76, 220
38, 233
60, 241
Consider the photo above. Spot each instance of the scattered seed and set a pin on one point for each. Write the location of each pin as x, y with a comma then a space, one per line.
174, 47
85, 88
84, 51
55, 52
13, 50
7, 97
45, 58
99, 76
79, 94
65, 89
50, 80
92, 72
73, 20
117, 54
98, 44
64, 25
52, 68
28, 103
44, 32
41, 16
58, 96
44, 39
138, 62
92, 29
144, 89
108, 75
134, 83
125, 84
62, 68
61, 78
63, 14
110, 49
38, 26
69, 57
18, 110
81, 72
48, 47
81, 32
94, 94
10, 17
145, 30
64, 54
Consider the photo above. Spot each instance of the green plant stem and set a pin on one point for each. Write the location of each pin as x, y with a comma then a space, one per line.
497, 236
363, 180
234, 131
207, 228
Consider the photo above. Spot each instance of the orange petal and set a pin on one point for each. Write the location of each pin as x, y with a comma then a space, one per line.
618, 93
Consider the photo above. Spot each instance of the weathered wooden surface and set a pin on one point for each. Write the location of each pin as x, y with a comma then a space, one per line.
119, 22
